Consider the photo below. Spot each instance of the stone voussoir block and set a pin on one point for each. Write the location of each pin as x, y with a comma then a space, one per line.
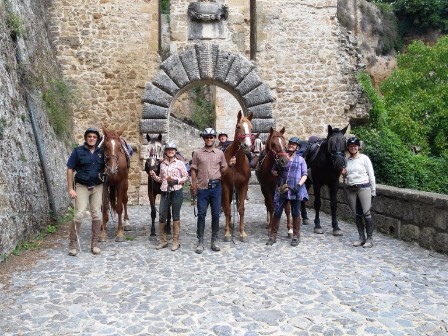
238, 70
223, 63
152, 94
249, 83
190, 63
154, 125
207, 55
164, 82
151, 111
260, 95
175, 70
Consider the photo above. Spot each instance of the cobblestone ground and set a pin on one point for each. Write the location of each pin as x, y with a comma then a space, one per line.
322, 287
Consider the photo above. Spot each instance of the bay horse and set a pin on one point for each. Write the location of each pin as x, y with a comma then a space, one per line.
274, 152
115, 191
154, 155
326, 169
235, 180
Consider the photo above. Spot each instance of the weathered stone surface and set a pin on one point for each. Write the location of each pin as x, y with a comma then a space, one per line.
151, 111
258, 96
249, 82
156, 96
207, 55
175, 70
154, 126
223, 63
238, 71
165, 83
262, 125
190, 63
263, 111
441, 243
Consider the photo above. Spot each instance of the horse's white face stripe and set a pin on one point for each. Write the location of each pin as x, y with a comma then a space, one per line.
113, 146
247, 139
280, 140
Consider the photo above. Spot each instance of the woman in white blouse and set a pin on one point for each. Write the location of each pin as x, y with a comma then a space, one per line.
361, 189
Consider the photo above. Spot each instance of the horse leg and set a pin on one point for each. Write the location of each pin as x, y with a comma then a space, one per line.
304, 213
152, 203
334, 207
241, 209
288, 219
168, 220
120, 234
127, 226
226, 205
102, 237
317, 204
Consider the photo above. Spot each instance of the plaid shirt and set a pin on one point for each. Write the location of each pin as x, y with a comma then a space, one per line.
208, 164
176, 169
291, 175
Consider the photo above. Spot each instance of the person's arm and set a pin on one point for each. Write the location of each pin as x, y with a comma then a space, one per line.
71, 190
194, 186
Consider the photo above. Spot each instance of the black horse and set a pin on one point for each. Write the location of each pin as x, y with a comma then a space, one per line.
326, 158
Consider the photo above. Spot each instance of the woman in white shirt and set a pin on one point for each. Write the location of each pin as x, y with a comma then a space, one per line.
361, 189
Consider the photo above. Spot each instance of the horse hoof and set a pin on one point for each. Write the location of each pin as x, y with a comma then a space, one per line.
227, 239
318, 230
119, 239
337, 233
289, 235
243, 239
102, 239
127, 228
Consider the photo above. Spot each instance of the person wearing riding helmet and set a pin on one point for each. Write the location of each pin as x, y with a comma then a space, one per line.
208, 164
223, 141
361, 189
290, 181
173, 175
86, 165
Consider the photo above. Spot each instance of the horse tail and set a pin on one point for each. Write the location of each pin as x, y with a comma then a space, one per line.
113, 198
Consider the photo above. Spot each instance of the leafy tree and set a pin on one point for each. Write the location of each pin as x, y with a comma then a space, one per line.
416, 97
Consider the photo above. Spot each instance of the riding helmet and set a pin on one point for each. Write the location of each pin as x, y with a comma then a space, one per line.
171, 145
353, 141
208, 131
295, 140
222, 133
91, 130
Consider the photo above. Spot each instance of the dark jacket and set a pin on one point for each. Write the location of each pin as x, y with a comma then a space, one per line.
89, 167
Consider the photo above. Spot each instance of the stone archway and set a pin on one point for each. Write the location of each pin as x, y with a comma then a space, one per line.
208, 64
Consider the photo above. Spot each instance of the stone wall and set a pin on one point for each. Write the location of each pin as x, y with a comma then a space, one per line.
409, 215
24, 196
108, 49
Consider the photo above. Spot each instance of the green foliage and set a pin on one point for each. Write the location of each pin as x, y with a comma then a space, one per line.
416, 97
165, 6
394, 163
51, 229
204, 110
14, 23
58, 97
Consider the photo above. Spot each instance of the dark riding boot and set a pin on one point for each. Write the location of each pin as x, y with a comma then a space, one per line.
274, 229
74, 234
163, 242
200, 246
362, 236
96, 227
304, 213
176, 230
296, 223
369, 229
215, 247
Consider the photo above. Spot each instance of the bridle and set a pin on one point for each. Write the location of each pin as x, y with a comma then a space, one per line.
277, 155
337, 154
111, 169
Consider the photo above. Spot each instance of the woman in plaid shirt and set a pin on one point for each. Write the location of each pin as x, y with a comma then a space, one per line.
173, 175
290, 189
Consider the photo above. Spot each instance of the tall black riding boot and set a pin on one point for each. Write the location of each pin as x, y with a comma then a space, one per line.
362, 236
369, 229
200, 246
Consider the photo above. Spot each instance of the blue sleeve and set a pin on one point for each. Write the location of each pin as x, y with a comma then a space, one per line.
72, 160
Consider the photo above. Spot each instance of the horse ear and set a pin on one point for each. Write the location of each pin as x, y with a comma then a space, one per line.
251, 115
148, 138
257, 135
330, 129
271, 130
120, 132
240, 114
282, 131
159, 137
345, 129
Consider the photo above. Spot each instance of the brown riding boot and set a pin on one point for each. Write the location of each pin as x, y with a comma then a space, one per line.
74, 234
296, 223
96, 227
163, 242
176, 230
274, 229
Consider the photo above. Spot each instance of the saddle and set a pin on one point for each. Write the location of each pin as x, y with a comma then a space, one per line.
127, 151
311, 150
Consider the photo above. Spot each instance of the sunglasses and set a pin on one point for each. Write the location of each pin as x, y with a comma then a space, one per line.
209, 137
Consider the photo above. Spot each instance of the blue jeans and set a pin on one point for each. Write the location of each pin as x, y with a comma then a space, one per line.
280, 206
175, 198
205, 198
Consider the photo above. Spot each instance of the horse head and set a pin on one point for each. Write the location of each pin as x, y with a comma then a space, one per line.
111, 145
243, 131
154, 152
276, 146
336, 146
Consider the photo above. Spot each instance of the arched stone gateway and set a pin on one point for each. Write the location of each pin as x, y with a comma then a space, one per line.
206, 64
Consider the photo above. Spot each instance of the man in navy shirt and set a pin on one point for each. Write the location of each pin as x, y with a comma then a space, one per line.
86, 164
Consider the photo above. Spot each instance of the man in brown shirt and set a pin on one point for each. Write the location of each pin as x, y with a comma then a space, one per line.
207, 165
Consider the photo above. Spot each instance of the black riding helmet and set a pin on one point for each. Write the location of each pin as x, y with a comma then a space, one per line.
353, 141
91, 130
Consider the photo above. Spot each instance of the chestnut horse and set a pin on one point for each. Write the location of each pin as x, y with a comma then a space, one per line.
154, 154
274, 152
236, 179
115, 190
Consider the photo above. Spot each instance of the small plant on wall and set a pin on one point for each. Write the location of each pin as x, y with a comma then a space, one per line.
203, 110
14, 22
